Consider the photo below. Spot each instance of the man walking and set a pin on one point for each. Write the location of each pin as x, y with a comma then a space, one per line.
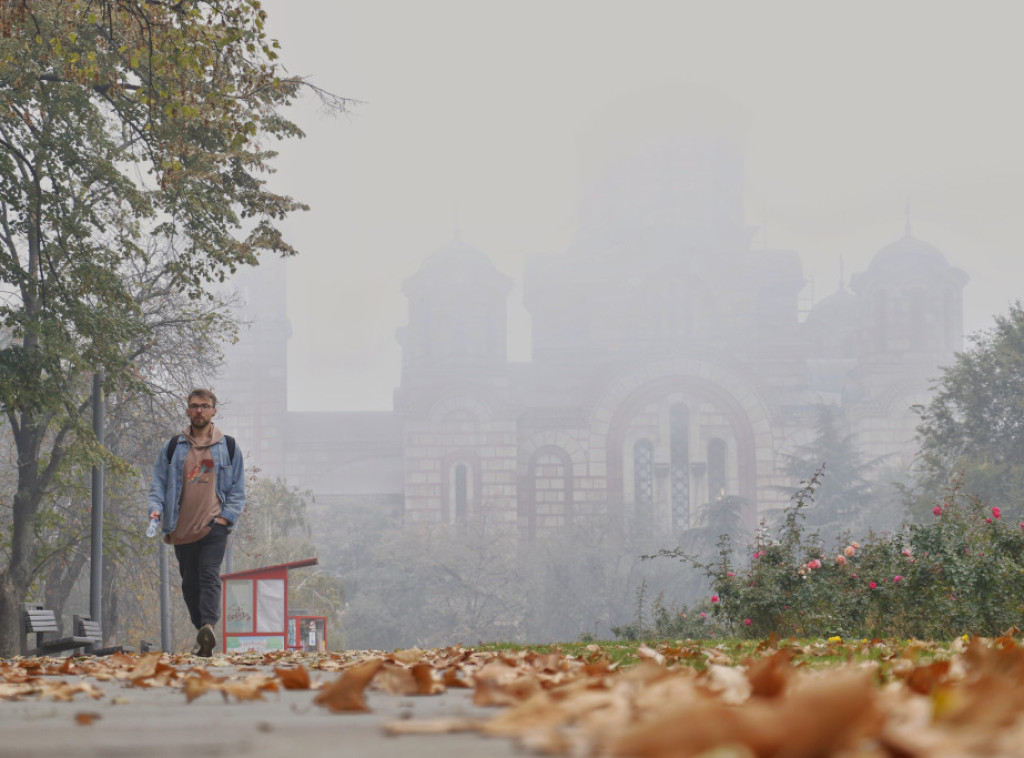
198, 493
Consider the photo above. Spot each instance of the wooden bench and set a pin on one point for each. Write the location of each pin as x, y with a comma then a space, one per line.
42, 622
84, 626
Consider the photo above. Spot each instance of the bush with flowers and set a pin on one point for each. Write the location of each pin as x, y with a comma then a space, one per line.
958, 573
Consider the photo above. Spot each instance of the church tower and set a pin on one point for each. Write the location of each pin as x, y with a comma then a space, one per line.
458, 424
458, 322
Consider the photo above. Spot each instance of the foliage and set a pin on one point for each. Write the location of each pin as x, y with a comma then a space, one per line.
120, 125
434, 584
971, 429
958, 573
275, 529
428, 584
848, 496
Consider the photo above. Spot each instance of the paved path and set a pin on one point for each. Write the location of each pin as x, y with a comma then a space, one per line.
158, 722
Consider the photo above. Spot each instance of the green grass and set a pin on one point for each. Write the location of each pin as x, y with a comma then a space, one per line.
812, 653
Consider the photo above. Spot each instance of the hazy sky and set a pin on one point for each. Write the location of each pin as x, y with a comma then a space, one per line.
471, 114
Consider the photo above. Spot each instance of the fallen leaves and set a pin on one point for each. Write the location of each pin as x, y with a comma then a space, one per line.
347, 692
872, 699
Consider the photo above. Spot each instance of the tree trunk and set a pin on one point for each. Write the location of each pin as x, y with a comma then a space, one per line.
10, 617
16, 577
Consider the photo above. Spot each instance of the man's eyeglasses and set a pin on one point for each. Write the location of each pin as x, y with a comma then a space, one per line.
203, 407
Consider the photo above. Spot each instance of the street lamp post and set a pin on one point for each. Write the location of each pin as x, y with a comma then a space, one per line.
96, 573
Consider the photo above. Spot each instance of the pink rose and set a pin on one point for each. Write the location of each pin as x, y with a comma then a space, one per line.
841, 560
730, 574
850, 551
815, 564
996, 513
897, 578
906, 552
714, 598
872, 585
937, 510
747, 622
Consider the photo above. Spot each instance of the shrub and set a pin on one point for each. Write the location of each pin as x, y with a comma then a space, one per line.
959, 572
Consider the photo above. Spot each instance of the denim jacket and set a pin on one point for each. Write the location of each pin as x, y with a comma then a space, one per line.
165, 492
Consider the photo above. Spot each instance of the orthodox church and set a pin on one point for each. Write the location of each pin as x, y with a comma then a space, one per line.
671, 363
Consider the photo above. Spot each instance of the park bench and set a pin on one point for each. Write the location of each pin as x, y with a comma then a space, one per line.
84, 626
42, 622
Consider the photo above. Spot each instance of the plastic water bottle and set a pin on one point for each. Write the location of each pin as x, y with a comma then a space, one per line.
154, 527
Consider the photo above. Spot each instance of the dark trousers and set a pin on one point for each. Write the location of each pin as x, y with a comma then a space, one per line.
199, 564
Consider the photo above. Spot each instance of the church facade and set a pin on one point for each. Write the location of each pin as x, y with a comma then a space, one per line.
671, 365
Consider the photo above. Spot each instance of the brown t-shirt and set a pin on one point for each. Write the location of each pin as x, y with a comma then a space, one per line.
199, 504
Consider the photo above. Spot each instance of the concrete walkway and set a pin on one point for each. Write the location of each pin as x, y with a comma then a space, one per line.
157, 722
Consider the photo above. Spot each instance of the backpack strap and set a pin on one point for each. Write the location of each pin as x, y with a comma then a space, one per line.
172, 445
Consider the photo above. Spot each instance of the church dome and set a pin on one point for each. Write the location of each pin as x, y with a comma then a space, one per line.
457, 254
835, 311
458, 263
907, 254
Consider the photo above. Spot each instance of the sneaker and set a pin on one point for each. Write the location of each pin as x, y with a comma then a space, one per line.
206, 641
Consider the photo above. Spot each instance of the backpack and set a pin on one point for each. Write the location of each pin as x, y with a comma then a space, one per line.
172, 445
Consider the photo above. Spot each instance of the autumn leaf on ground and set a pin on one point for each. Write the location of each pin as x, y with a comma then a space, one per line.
66, 691
395, 680
448, 725
83, 718
409, 656
646, 653
198, 685
427, 680
293, 678
250, 688
150, 671
346, 693
768, 676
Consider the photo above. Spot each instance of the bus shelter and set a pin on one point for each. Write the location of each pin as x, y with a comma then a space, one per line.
255, 607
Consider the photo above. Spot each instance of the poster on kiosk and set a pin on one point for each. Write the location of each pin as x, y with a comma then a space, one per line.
255, 607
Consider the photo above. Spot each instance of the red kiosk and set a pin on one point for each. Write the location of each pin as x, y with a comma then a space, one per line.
256, 610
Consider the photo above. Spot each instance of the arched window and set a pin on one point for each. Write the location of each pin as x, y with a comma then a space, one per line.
460, 485
716, 468
461, 498
679, 429
643, 477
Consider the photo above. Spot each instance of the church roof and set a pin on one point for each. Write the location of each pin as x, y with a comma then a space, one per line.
461, 260
838, 309
908, 252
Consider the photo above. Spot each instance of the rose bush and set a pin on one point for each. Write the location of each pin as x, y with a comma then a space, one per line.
958, 573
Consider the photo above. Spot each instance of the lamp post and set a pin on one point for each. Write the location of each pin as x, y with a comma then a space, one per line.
96, 573
165, 599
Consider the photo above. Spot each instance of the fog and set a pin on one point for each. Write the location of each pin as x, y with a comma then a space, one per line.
471, 115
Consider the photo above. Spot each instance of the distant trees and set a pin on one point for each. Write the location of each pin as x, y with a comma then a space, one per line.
437, 584
277, 529
973, 428
848, 496
120, 125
